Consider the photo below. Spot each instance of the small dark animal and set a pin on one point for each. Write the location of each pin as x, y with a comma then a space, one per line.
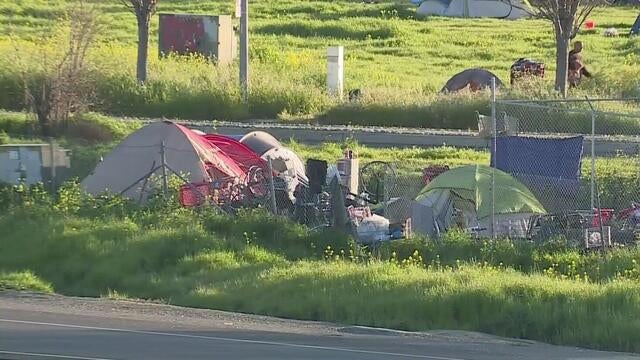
354, 95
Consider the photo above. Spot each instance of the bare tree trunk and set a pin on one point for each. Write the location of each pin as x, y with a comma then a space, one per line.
143, 48
562, 64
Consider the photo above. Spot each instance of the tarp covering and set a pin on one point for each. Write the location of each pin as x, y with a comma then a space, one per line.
503, 9
474, 183
216, 161
550, 168
552, 158
242, 154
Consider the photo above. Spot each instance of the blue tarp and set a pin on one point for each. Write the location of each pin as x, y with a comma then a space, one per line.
548, 158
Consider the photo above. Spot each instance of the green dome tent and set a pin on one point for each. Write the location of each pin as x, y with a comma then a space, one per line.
468, 190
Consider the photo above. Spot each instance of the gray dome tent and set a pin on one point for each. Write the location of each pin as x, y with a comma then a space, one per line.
476, 79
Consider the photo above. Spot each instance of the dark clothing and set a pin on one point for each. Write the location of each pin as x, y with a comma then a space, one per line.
576, 64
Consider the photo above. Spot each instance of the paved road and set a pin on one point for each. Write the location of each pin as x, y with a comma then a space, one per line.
52, 327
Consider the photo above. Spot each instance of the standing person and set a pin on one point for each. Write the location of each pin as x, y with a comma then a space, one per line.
576, 66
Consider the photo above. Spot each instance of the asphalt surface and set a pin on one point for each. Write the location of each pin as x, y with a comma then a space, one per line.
34, 326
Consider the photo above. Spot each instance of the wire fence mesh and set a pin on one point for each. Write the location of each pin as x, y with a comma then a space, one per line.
579, 158
557, 168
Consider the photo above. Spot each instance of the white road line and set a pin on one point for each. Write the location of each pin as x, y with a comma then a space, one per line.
52, 356
245, 341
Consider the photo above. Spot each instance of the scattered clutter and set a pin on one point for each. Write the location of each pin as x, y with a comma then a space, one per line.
227, 174
230, 174
526, 68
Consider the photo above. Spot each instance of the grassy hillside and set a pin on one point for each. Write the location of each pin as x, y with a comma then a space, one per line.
399, 61
385, 44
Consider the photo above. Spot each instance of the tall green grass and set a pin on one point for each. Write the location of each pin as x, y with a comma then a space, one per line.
259, 264
23, 281
398, 61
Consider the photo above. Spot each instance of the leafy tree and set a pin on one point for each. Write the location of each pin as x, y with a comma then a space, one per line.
567, 16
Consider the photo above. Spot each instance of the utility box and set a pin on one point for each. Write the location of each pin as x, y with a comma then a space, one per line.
32, 163
349, 170
211, 36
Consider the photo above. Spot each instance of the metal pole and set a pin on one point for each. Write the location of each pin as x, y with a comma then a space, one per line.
272, 189
52, 148
593, 158
494, 156
593, 154
165, 184
244, 49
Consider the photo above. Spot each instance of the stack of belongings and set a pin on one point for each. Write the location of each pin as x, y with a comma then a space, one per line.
287, 166
526, 68
371, 228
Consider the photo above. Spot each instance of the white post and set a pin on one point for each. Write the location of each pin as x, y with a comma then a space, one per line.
238, 10
494, 140
244, 49
335, 70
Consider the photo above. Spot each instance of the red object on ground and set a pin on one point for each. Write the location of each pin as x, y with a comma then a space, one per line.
589, 24
605, 214
192, 195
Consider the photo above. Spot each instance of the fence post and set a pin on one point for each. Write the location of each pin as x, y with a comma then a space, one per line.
165, 183
593, 158
593, 153
52, 148
494, 137
272, 189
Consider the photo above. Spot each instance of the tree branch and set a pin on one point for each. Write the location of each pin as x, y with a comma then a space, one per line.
130, 5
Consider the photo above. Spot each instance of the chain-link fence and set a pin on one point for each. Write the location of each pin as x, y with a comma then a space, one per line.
566, 168
579, 159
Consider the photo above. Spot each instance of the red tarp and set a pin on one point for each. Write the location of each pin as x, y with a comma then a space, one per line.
239, 152
219, 164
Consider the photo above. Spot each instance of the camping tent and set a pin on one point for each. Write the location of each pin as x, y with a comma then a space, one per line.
468, 190
475, 79
125, 169
285, 161
286, 164
503, 9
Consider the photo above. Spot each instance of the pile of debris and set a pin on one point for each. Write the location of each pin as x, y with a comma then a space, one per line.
245, 171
